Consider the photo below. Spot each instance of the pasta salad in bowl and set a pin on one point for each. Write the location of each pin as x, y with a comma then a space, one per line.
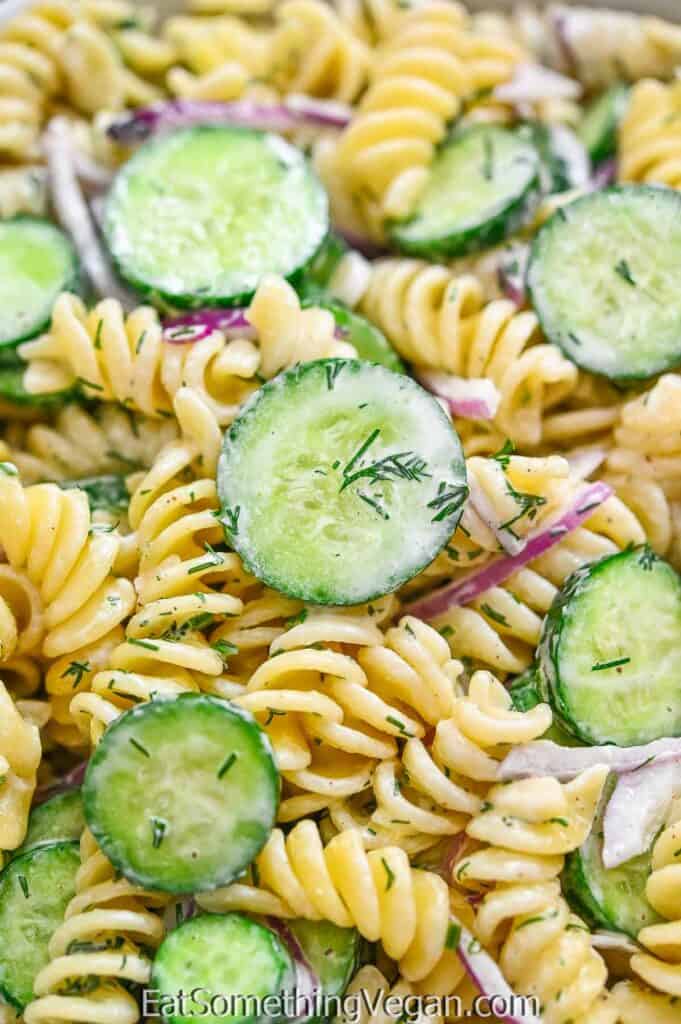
340, 512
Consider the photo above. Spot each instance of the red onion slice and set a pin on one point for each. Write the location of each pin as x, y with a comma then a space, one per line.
637, 809
168, 115
72, 780
532, 83
464, 590
604, 174
583, 464
74, 215
473, 399
177, 913
307, 983
190, 327
511, 272
486, 975
614, 941
543, 757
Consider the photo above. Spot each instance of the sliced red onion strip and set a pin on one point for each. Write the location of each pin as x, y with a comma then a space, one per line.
532, 83
90, 172
604, 174
177, 913
72, 780
190, 327
307, 983
473, 399
543, 757
74, 215
276, 117
464, 590
486, 974
637, 809
507, 540
511, 272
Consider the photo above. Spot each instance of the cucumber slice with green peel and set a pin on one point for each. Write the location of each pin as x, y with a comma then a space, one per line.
60, 817
35, 889
227, 964
610, 651
370, 343
198, 217
608, 898
331, 952
526, 694
339, 481
604, 278
601, 120
482, 185
106, 493
182, 794
37, 262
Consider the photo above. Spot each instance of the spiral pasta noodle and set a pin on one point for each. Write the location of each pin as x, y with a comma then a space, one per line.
378, 892
81, 443
313, 52
428, 65
438, 320
649, 149
109, 930
545, 950
20, 754
47, 534
660, 965
432, 786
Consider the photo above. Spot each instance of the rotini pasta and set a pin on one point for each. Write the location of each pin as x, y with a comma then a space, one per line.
48, 535
660, 965
438, 320
19, 759
312, 52
379, 892
649, 148
428, 66
108, 936
545, 951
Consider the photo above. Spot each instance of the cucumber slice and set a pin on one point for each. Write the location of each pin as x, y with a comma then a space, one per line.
371, 344
610, 652
221, 962
608, 898
331, 952
197, 218
599, 125
339, 481
604, 277
60, 817
37, 262
482, 185
525, 692
35, 889
107, 492
182, 794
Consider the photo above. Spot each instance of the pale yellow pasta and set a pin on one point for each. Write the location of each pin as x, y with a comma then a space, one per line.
288, 334
649, 147
544, 949
435, 786
106, 908
241, 7
19, 760
178, 586
204, 45
420, 77
633, 1004
313, 52
660, 964
48, 534
79, 443
378, 892
371, 20
438, 320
